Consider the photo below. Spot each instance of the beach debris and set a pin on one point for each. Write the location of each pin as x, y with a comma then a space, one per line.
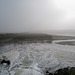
5, 62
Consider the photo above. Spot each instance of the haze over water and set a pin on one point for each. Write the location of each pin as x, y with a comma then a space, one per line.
36, 15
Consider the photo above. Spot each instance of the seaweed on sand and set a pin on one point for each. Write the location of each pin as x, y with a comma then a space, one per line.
63, 71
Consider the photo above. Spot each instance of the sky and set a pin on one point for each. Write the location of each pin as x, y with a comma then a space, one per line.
36, 15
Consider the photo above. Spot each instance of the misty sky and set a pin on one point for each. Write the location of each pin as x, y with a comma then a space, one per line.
32, 15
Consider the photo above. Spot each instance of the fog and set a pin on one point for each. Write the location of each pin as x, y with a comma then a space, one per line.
36, 15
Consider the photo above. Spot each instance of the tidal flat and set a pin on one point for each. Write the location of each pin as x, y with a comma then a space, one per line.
40, 54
